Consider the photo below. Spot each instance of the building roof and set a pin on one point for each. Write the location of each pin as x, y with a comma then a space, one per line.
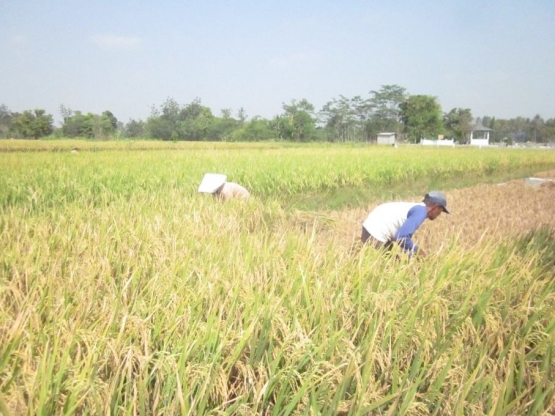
479, 127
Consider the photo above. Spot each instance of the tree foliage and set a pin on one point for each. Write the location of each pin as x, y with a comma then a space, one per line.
33, 124
346, 119
391, 108
257, 129
385, 105
134, 129
297, 123
421, 115
92, 126
457, 123
521, 129
5, 121
358, 119
174, 122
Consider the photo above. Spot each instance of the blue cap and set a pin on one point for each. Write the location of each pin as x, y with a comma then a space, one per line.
436, 197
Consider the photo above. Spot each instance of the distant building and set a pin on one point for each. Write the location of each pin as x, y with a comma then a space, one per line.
386, 138
478, 135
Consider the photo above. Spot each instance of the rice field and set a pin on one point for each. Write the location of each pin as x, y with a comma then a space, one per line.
123, 291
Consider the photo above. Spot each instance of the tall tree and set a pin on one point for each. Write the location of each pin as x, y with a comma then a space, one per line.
226, 113
298, 123
386, 108
34, 124
536, 127
222, 128
163, 122
242, 115
173, 122
549, 130
256, 129
65, 112
457, 123
134, 128
345, 119
196, 122
519, 130
359, 119
5, 120
77, 124
421, 115
110, 121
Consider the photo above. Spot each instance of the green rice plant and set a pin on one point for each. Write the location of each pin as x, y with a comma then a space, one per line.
123, 291
47, 179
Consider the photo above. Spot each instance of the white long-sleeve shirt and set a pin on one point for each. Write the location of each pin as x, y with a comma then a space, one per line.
396, 221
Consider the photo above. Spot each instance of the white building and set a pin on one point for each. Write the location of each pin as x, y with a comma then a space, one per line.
478, 135
386, 138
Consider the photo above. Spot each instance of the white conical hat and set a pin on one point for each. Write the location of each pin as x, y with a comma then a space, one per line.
211, 182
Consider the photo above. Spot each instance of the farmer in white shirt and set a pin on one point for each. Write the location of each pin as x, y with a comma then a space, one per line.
396, 222
216, 184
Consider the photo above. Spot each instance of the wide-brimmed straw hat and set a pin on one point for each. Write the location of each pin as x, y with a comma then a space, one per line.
211, 182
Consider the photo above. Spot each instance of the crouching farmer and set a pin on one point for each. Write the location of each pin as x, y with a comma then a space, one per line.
216, 184
396, 222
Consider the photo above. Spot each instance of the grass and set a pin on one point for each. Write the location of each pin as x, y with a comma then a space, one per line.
122, 291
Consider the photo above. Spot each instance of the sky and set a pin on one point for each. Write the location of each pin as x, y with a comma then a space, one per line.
495, 57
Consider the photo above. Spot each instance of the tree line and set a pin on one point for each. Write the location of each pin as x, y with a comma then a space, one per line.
343, 119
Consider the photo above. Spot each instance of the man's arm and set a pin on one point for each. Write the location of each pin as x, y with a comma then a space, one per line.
416, 216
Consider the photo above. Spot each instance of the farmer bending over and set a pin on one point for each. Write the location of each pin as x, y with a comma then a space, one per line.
396, 222
216, 184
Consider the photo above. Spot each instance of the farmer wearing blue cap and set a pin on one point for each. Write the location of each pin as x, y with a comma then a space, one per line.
396, 222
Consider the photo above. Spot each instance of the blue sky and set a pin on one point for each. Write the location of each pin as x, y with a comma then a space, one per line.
495, 57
